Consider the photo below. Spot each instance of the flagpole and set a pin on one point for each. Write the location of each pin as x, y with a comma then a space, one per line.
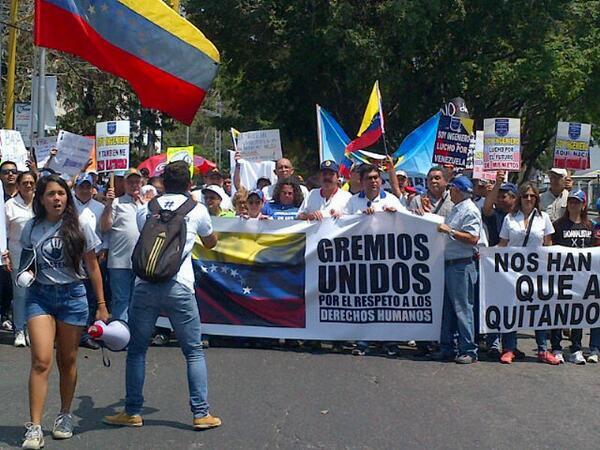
12, 65
41, 100
319, 135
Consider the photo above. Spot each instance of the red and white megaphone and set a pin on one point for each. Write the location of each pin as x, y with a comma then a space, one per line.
114, 335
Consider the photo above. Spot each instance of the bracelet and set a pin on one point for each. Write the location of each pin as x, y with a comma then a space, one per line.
100, 303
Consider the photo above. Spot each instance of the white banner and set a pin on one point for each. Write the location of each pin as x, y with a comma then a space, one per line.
261, 145
112, 146
42, 147
377, 277
502, 144
539, 288
478, 172
73, 153
22, 117
13, 149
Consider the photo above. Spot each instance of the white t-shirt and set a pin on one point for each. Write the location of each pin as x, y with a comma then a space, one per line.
124, 232
268, 191
316, 202
359, 202
197, 223
514, 229
17, 215
91, 211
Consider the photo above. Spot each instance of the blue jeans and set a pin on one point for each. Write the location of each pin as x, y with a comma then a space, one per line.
19, 297
178, 302
122, 282
509, 340
595, 339
457, 316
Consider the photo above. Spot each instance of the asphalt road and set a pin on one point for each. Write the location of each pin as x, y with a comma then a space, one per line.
271, 399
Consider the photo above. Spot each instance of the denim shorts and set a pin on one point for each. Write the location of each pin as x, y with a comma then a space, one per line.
65, 302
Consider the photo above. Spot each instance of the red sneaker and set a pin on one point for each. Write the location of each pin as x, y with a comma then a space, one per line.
507, 357
548, 358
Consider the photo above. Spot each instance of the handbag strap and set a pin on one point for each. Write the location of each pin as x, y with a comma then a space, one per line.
528, 232
440, 203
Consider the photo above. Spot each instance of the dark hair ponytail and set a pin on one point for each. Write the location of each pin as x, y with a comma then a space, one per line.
74, 241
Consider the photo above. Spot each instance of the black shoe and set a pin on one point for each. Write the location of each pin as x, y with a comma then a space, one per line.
519, 355
493, 354
88, 342
442, 357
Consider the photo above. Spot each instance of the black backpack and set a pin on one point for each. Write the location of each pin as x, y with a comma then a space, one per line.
157, 256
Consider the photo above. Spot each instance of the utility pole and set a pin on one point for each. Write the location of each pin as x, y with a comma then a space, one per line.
12, 65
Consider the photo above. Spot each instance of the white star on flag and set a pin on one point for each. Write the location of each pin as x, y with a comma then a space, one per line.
233, 272
204, 269
247, 290
213, 268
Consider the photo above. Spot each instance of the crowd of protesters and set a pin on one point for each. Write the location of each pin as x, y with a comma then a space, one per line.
94, 225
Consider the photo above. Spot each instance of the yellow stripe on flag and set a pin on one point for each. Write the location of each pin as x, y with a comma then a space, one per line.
250, 248
158, 12
373, 108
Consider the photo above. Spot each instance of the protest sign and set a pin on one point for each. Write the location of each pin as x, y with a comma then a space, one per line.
13, 149
182, 154
112, 146
539, 288
22, 121
42, 148
502, 144
572, 149
478, 172
452, 141
377, 277
49, 102
73, 153
261, 145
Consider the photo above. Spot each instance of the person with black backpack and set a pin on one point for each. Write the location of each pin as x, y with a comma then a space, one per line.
162, 262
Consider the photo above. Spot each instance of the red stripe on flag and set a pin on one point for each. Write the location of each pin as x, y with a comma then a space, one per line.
61, 30
367, 139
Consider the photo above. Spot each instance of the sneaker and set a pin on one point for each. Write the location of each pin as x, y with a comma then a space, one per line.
507, 357
493, 354
465, 359
359, 351
7, 325
123, 419
20, 340
391, 350
159, 340
412, 343
559, 356
206, 422
577, 358
34, 437
63, 426
593, 357
548, 358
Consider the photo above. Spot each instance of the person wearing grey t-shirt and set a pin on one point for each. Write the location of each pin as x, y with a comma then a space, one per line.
118, 221
56, 247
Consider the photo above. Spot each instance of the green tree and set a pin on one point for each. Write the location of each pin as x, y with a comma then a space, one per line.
537, 60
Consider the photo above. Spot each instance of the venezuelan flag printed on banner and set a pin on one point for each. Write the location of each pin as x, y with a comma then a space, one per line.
252, 279
168, 62
372, 126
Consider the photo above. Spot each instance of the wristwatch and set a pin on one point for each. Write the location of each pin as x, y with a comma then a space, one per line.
452, 233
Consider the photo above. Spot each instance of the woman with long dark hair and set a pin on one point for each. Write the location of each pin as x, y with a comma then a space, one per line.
287, 198
56, 304
527, 226
18, 210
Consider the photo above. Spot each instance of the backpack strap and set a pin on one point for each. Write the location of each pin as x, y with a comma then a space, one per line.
153, 206
186, 207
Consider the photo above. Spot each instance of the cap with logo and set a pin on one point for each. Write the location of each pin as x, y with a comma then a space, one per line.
258, 193
85, 179
579, 195
131, 172
329, 165
216, 189
509, 187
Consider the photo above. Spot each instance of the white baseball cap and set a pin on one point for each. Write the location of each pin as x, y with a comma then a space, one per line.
560, 172
216, 189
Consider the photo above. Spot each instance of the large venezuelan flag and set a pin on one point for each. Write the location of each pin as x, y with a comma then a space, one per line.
372, 126
168, 62
252, 279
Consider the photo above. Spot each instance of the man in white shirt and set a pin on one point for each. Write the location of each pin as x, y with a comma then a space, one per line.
89, 210
372, 198
554, 200
119, 222
329, 200
176, 299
